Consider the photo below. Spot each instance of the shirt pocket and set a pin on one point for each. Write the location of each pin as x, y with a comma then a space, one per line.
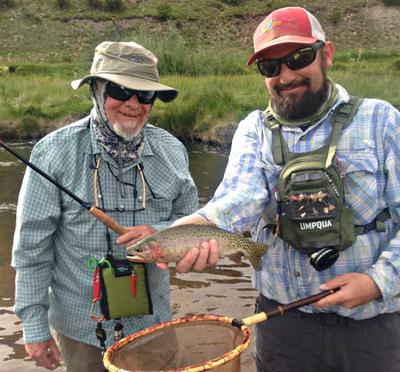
360, 167
159, 204
83, 233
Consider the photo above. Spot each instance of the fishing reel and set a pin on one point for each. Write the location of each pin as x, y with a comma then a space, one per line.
324, 258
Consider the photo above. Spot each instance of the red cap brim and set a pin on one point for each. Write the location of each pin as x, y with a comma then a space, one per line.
288, 39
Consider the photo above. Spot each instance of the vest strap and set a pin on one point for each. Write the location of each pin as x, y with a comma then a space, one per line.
275, 128
341, 118
378, 223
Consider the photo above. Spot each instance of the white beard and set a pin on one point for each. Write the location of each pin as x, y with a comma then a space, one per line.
127, 130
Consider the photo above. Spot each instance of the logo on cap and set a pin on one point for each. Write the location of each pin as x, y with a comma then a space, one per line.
289, 23
97, 61
136, 59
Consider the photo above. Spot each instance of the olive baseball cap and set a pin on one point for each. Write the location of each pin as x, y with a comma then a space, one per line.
290, 25
127, 64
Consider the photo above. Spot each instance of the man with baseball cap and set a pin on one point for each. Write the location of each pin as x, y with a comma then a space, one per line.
322, 170
113, 159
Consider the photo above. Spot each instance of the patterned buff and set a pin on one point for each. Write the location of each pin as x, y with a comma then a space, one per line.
122, 151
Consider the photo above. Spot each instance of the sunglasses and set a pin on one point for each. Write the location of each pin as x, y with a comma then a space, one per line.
121, 93
296, 60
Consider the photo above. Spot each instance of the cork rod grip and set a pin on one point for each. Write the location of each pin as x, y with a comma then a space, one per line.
107, 220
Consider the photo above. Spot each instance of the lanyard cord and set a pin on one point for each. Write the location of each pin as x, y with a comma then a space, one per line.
95, 177
96, 200
134, 198
144, 183
143, 178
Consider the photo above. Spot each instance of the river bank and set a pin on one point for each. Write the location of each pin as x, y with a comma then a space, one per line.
37, 100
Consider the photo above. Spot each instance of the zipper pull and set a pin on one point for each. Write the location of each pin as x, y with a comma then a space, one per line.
276, 194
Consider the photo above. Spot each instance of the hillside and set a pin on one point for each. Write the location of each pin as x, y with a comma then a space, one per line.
39, 31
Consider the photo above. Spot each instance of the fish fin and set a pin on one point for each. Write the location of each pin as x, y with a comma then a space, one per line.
255, 257
236, 257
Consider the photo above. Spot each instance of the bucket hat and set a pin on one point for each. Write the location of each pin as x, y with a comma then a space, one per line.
290, 25
127, 64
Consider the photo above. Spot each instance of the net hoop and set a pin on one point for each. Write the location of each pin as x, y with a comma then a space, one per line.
216, 362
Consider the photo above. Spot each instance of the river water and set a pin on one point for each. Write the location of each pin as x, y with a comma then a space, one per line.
224, 289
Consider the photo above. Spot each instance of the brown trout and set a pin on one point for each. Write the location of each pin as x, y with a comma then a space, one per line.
173, 243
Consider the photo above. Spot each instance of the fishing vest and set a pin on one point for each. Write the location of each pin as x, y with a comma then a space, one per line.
311, 212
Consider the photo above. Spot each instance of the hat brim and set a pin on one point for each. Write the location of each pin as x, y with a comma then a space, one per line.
164, 92
288, 39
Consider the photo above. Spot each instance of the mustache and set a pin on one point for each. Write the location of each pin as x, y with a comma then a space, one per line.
295, 84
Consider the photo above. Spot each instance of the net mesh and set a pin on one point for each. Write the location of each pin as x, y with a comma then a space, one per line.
191, 344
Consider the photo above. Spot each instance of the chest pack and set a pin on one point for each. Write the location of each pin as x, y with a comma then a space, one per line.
311, 212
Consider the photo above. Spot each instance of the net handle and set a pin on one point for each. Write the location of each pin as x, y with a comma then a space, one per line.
282, 309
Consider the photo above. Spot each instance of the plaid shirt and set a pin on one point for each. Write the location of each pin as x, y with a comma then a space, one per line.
55, 236
369, 154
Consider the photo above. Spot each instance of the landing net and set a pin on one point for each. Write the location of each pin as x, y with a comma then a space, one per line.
189, 344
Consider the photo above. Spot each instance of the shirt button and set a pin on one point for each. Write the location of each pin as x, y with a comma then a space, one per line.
296, 273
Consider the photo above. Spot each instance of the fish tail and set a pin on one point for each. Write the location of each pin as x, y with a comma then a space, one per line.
256, 255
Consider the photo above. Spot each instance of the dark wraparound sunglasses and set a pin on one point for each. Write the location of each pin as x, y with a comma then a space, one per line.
124, 94
296, 60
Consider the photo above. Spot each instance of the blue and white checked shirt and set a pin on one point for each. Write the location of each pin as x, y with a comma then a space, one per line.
369, 154
55, 236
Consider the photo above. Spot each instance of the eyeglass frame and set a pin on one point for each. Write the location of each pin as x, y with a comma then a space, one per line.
144, 182
126, 93
314, 48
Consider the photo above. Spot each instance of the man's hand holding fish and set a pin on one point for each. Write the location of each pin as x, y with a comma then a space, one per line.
198, 257
194, 245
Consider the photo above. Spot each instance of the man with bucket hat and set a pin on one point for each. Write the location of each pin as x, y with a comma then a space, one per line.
315, 176
136, 173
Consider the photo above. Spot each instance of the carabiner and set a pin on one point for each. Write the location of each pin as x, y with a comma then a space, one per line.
92, 314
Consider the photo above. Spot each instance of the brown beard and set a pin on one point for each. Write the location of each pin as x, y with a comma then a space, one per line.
292, 107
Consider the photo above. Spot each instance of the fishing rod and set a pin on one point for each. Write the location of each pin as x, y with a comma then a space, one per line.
282, 309
94, 211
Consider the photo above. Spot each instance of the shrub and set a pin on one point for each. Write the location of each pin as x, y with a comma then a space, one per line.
29, 127
95, 4
232, 2
6, 4
391, 2
63, 4
164, 11
114, 5
335, 16
396, 64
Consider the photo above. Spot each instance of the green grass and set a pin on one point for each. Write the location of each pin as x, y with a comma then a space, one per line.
38, 98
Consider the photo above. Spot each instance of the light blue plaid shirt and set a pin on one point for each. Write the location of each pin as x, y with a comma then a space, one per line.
369, 154
55, 236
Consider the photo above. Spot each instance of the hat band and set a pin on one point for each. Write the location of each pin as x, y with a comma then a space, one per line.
128, 73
